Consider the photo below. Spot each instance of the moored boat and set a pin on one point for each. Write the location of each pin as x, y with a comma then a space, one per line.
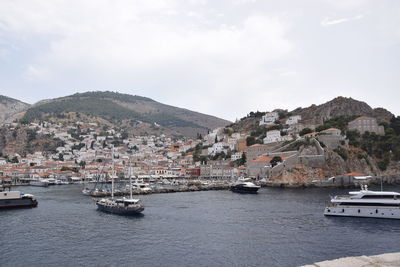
15, 199
365, 203
39, 182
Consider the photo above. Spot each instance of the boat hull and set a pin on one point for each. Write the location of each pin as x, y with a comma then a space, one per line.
245, 190
18, 203
120, 210
388, 212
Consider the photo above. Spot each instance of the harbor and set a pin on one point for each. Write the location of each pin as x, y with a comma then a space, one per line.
66, 229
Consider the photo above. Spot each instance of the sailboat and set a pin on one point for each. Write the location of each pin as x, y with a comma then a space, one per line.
121, 206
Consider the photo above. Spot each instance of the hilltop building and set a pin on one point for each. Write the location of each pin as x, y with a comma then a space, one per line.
366, 124
269, 118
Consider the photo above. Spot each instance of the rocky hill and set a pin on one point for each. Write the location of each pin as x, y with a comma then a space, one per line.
140, 114
340, 106
316, 114
9, 108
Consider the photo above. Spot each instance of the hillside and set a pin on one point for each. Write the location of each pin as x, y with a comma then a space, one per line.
316, 114
352, 150
129, 111
10, 107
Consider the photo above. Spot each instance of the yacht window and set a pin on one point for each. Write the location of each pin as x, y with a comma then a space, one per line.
379, 196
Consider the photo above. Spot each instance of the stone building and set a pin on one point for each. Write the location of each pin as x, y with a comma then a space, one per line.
366, 124
257, 150
332, 138
259, 166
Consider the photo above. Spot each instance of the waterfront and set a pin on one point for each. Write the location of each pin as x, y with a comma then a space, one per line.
277, 227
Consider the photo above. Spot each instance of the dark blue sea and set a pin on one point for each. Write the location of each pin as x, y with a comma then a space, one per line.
277, 227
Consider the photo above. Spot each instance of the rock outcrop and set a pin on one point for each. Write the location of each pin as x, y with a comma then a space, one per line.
340, 106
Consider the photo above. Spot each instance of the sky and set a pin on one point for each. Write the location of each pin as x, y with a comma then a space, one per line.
220, 57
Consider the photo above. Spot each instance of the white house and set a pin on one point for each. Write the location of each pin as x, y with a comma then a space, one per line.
236, 156
293, 119
269, 118
218, 148
275, 136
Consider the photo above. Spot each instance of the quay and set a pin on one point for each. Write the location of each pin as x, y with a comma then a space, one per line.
382, 260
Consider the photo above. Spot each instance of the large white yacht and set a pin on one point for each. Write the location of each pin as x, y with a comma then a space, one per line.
366, 203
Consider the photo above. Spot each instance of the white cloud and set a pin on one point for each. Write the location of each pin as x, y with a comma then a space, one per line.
330, 22
126, 43
219, 57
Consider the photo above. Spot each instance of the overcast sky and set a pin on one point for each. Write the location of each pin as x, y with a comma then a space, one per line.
220, 57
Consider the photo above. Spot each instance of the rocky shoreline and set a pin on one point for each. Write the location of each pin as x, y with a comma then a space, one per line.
338, 182
388, 259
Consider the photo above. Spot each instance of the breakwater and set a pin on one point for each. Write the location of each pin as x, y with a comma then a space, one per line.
177, 189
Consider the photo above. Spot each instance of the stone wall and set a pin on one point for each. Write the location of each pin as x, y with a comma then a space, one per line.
315, 161
332, 141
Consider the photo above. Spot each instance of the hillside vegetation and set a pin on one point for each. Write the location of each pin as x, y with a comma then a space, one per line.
119, 108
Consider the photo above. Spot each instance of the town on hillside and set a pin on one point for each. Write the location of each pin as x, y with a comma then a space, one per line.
281, 148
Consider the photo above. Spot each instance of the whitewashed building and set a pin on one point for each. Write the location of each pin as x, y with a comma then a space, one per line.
275, 136
293, 119
269, 118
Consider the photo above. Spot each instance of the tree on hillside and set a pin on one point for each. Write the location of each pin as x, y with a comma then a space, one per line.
250, 140
274, 161
243, 159
305, 131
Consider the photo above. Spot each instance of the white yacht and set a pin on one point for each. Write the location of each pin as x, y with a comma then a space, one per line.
142, 187
366, 203
39, 182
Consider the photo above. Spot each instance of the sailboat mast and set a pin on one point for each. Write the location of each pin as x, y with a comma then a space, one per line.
130, 177
112, 175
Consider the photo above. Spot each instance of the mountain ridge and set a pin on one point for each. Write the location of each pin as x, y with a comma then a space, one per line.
125, 109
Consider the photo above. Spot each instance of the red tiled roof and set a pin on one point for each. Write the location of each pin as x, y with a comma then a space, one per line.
262, 159
354, 174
